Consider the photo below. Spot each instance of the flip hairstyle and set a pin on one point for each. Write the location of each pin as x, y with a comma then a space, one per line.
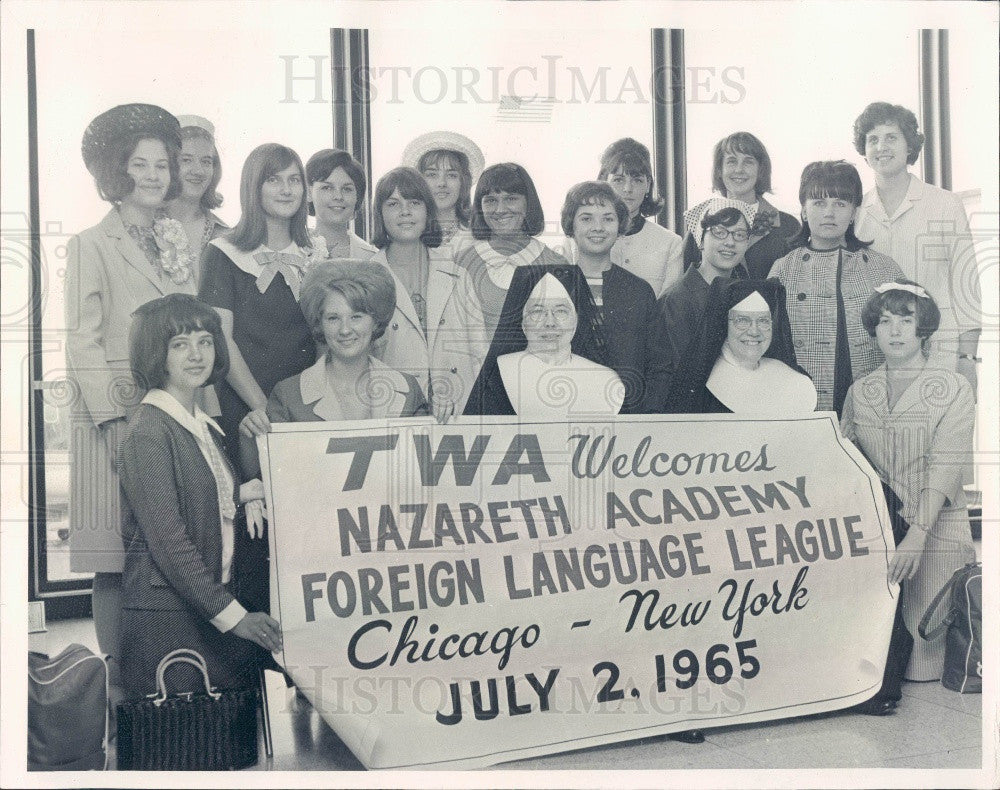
592, 193
632, 158
367, 288
830, 179
411, 186
156, 322
742, 143
507, 177
463, 208
321, 166
902, 303
263, 162
110, 170
210, 198
882, 112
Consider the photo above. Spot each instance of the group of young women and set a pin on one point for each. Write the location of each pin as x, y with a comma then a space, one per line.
187, 339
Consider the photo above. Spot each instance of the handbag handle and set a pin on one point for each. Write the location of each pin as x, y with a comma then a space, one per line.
934, 633
181, 656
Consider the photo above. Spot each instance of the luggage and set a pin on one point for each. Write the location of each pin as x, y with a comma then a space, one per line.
204, 731
963, 652
67, 711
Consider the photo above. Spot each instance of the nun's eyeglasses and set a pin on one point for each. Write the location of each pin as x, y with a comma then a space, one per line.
744, 322
722, 233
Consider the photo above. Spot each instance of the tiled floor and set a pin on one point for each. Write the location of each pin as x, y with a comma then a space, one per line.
932, 728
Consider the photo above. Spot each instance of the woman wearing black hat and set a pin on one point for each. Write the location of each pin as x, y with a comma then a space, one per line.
131, 257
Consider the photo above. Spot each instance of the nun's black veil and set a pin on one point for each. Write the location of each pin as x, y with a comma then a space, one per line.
488, 395
689, 393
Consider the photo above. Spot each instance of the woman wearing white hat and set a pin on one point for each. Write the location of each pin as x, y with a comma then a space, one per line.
200, 172
450, 163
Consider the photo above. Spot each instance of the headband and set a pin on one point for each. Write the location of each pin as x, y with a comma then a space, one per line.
694, 215
916, 290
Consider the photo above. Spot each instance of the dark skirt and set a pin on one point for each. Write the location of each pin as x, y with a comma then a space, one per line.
147, 636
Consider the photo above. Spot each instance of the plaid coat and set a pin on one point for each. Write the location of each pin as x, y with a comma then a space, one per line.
809, 277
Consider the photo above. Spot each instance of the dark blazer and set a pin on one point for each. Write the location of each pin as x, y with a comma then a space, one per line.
170, 519
629, 308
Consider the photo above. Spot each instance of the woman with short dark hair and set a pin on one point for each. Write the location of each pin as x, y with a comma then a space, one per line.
507, 216
436, 333
132, 256
336, 191
181, 497
741, 170
827, 279
923, 228
914, 422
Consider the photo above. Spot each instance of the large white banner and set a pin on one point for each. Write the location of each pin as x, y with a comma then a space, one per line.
461, 595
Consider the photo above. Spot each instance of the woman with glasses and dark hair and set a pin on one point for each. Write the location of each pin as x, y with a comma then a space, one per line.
644, 248
181, 497
507, 216
827, 279
722, 228
336, 190
436, 332
741, 170
924, 229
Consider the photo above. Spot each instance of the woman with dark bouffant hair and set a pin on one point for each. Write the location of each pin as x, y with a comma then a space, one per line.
741, 170
827, 279
923, 228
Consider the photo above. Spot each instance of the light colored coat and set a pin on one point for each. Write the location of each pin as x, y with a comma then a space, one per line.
928, 236
923, 443
107, 278
446, 359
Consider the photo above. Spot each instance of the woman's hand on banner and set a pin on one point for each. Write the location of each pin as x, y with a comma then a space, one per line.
255, 423
444, 410
260, 628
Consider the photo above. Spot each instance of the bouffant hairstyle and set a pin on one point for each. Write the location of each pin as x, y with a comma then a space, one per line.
832, 179
902, 302
742, 143
210, 198
881, 112
367, 287
592, 193
156, 322
263, 162
322, 164
110, 170
460, 162
512, 178
411, 186
631, 157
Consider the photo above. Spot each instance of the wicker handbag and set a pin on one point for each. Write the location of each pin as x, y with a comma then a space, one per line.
210, 731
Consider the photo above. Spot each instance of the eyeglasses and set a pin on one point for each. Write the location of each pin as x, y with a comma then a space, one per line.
744, 322
722, 233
